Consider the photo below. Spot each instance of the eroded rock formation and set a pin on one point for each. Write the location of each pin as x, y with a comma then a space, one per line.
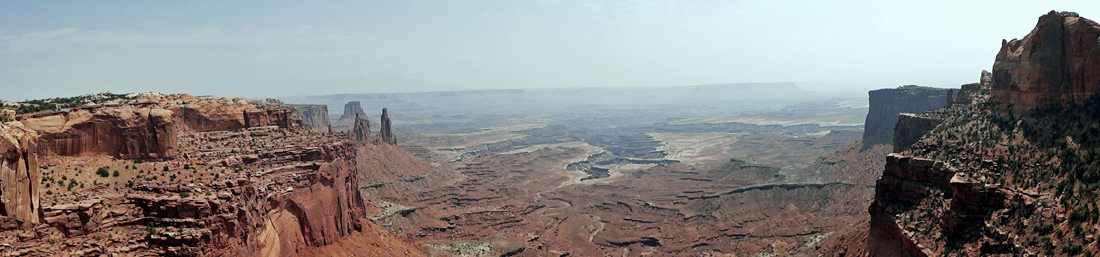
361, 132
1057, 63
886, 104
128, 132
910, 128
351, 109
315, 117
245, 183
384, 132
19, 176
147, 128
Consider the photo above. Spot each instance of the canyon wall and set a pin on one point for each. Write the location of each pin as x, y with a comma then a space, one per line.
1057, 63
147, 129
278, 200
909, 129
886, 104
313, 116
128, 132
19, 176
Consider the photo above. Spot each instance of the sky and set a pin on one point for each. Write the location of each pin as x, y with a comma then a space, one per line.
260, 49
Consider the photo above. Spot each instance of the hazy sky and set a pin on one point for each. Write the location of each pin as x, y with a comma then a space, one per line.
271, 48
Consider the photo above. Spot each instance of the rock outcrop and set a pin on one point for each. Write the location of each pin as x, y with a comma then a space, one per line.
361, 132
19, 175
910, 128
886, 104
1058, 63
312, 116
384, 132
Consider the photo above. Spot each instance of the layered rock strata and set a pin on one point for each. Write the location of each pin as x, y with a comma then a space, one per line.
282, 200
1057, 63
252, 185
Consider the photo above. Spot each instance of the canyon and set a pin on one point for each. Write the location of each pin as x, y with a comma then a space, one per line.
1006, 166
176, 175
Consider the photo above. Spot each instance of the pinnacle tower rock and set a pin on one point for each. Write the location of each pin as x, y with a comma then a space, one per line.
384, 133
361, 132
351, 109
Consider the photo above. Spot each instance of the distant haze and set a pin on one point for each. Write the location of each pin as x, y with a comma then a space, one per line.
263, 49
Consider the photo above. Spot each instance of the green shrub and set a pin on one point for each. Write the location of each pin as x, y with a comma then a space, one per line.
102, 172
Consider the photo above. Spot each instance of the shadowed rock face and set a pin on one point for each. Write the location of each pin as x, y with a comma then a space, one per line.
384, 133
1056, 64
315, 117
886, 104
19, 174
910, 128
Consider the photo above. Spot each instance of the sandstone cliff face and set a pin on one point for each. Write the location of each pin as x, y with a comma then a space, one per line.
315, 117
19, 176
886, 104
147, 129
1058, 63
126, 132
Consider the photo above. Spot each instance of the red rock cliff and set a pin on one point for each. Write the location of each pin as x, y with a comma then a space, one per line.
19, 174
125, 131
1057, 63
147, 129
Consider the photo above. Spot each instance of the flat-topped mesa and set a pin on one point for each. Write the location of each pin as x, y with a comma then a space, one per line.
351, 109
384, 133
19, 175
886, 104
1057, 63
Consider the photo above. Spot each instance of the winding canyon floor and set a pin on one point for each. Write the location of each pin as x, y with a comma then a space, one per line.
546, 190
